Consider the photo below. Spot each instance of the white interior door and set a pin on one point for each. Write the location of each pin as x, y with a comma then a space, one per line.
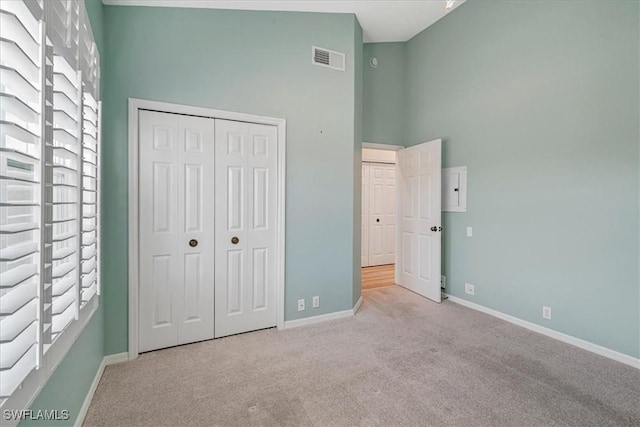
419, 219
365, 215
176, 230
246, 184
382, 216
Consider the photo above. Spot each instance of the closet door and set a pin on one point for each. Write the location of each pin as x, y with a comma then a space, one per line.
365, 215
176, 230
382, 187
246, 196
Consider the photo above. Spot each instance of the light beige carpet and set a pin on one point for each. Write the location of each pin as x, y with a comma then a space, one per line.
402, 360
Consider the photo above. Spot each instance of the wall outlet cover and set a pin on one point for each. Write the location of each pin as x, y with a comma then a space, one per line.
316, 302
469, 289
546, 312
300, 305
443, 281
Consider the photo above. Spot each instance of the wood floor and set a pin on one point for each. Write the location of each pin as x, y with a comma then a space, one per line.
378, 276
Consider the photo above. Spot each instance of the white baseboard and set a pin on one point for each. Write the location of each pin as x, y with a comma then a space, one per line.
357, 306
585, 345
322, 317
111, 359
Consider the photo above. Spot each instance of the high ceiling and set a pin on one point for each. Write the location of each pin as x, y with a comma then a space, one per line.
381, 20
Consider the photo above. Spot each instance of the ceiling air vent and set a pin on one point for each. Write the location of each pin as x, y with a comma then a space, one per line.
328, 58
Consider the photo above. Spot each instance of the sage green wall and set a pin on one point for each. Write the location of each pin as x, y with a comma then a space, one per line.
69, 384
252, 62
541, 101
384, 94
357, 160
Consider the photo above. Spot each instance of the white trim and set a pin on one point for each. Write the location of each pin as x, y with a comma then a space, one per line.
140, 104
378, 146
356, 307
585, 345
82, 413
318, 319
111, 359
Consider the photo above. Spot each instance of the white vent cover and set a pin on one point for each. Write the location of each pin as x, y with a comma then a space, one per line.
328, 58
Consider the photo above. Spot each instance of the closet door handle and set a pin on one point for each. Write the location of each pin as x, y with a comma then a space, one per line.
235, 240
377, 219
193, 243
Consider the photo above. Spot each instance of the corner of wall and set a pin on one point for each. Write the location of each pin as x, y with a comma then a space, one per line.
357, 158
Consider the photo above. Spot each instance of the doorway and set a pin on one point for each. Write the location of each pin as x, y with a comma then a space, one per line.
378, 217
401, 217
206, 224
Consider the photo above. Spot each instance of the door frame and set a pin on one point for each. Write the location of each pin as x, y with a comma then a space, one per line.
135, 105
377, 146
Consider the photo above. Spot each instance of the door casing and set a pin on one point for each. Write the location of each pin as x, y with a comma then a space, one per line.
135, 105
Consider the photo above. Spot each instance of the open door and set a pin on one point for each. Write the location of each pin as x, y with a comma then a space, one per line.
418, 252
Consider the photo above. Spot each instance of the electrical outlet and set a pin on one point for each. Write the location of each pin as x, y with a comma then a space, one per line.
443, 281
469, 231
469, 289
300, 305
316, 301
546, 312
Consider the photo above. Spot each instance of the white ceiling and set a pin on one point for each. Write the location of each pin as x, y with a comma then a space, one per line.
381, 20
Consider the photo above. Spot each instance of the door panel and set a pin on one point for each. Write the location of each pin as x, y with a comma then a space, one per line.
176, 279
246, 165
381, 217
419, 263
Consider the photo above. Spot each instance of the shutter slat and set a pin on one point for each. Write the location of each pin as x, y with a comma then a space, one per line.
17, 297
17, 107
17, 84
12, 28
11, 379
15, 131
88, 279
15, 350
62, 302
61, 237
88, 266
17, 275
63, 253
62, 286
16, 252
12, 326
90, 291
14, 56
60, 321
19, 227
63, 269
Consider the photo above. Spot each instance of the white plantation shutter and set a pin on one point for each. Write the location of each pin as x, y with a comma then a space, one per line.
49, 148
20, 195
63, 28
66, 194
90, 150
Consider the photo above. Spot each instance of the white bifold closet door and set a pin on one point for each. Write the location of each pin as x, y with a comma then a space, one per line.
379, 218
176, 229
246, 186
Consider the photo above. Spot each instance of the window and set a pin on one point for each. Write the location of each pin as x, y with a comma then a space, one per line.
49, 182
